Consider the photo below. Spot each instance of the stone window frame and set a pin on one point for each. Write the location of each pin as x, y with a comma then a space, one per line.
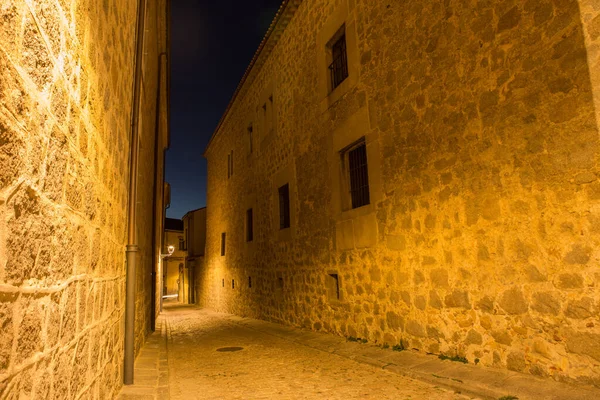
335, 293
341, 20
285, 175
346, 180
346, 218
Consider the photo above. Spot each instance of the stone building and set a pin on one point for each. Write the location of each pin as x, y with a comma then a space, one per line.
194, 223
67, 93
423, 173
173, 265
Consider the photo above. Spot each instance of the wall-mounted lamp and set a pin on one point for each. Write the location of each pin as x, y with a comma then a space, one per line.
171, 250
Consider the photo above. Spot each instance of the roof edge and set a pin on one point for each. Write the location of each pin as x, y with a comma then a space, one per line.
280, 22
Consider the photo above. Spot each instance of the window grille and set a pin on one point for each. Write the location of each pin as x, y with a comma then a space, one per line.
359, 176
339, 66
284, 206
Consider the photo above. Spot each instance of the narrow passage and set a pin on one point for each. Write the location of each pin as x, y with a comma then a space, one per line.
269, 366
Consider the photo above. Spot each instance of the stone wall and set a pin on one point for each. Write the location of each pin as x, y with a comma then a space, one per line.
481, 239
172, 263
66, 83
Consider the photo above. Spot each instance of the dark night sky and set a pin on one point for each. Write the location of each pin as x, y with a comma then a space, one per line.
212, 43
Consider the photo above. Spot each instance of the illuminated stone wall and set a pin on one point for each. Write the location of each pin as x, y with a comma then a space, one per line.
66, 82
171, 264
482, 236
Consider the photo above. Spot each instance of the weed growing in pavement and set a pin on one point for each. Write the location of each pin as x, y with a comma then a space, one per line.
385, 346
356, 339
399, 347
453, 358
508, 398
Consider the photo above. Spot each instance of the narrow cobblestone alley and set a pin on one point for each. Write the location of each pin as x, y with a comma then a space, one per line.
269, 366
190, 357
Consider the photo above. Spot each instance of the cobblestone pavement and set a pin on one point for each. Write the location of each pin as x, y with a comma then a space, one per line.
151, 373
270, 367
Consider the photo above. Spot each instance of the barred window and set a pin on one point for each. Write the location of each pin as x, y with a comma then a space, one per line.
284, 206
355, 158
339, 66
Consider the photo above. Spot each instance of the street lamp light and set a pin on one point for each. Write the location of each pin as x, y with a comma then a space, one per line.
170, 249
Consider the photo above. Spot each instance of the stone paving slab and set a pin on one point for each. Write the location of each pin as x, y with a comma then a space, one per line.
483, 382
151, 373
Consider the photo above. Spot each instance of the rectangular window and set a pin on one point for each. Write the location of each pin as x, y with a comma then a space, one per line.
233, 283
223, 282
230, 164
339, 65
284, 206
268, 116
181, 244
223, 238
249, 226
333, 286
249, 281
251, 138
359, 175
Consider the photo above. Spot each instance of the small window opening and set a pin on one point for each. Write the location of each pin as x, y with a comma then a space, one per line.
233, 283
249, 281
333, 286
251, 138
223, 239
223, 282
284, 206
249, 225
280, 283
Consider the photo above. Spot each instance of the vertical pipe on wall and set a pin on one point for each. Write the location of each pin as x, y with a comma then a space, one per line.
132, 247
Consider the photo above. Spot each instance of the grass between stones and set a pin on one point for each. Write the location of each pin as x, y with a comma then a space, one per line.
453, 358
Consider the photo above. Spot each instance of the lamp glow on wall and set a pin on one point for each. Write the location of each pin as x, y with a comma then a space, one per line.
170, 250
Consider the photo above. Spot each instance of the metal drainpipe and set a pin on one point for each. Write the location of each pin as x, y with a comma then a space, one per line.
132, 247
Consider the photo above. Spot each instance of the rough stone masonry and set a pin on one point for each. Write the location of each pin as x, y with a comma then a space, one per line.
66, 83
481, 239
